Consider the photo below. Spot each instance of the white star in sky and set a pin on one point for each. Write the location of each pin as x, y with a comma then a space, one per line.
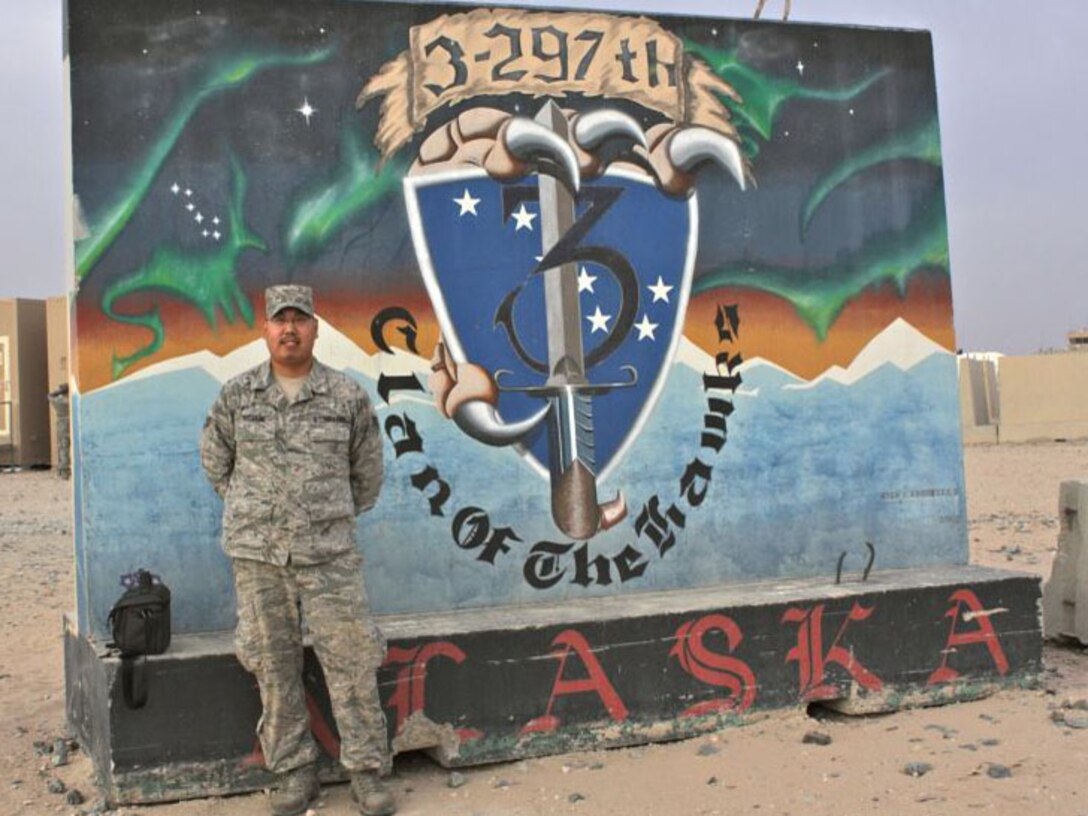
215, 220
599, 321
190, 206
585, 281
660, 290
199, 218
307, 110
175, 189
646, 328
467, 203
800, 68
188, 193
524, 219
204, 233
216, 235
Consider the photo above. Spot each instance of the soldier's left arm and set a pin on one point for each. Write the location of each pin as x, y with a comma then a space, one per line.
366, 455
217, 444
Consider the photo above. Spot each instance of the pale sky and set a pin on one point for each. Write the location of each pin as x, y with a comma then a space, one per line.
1013, 134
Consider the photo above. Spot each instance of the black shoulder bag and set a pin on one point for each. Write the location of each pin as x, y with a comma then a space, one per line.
140, 623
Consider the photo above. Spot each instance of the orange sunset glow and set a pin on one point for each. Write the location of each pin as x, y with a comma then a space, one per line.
770, 328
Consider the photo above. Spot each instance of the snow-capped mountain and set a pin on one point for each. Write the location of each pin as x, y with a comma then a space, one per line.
899, 344
802, 471
695, 358
333, 347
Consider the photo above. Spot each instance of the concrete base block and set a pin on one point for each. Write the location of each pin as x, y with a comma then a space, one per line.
499, 684
1065, 596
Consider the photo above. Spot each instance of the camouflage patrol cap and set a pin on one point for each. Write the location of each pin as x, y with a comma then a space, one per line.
288, 296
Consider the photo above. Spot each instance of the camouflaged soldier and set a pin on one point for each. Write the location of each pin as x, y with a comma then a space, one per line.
293, 449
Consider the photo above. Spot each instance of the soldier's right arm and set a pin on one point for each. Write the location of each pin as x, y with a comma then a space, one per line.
217, 444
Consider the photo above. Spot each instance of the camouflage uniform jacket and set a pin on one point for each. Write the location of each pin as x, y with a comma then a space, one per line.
292, 474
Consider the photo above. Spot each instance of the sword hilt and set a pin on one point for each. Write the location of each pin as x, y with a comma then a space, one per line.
551, 390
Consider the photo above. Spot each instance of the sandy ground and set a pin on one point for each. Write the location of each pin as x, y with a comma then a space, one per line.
1002, 755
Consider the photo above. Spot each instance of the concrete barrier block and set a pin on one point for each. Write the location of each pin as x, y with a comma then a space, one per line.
1065, 595
476, 686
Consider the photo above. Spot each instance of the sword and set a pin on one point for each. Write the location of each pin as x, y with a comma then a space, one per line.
573, 465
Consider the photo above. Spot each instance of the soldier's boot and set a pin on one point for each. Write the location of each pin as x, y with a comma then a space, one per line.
295, 789
372, 795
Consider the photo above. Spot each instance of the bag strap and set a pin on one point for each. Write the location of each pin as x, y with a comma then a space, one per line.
134, 681
134, 676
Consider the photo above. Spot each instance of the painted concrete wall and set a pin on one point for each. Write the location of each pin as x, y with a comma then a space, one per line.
773, 365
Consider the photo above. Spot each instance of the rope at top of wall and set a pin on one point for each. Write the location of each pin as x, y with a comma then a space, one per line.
761, 3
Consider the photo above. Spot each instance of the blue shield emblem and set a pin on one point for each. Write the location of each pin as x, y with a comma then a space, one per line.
479, 245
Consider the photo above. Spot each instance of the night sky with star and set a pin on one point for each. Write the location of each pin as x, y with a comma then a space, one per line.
222, 139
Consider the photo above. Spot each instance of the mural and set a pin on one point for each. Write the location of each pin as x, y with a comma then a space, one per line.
644, 303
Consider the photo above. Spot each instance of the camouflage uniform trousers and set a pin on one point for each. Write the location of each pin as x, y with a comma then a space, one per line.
349, 647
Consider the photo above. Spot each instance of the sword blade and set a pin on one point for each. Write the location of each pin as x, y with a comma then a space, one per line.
573, 458
566, 359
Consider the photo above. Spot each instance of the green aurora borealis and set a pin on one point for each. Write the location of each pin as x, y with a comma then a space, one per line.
205, 280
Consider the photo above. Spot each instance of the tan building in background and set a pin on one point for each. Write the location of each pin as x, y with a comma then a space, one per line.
1043, 396
56, 318
1025, 398
24, 384
978, 399
1078, 340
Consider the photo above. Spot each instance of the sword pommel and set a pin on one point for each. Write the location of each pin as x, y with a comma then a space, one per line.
574, 505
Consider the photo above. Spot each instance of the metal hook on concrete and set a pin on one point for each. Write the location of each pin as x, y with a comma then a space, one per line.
868, 565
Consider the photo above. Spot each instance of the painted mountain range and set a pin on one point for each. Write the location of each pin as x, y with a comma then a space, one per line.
810, 469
